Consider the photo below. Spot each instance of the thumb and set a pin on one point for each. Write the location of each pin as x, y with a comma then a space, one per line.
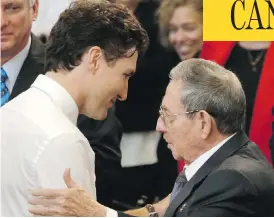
68, 180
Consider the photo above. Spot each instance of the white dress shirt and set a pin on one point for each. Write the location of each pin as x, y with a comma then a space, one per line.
190, 170
39, 140
14, 65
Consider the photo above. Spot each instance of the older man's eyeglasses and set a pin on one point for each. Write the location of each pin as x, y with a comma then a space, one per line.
168, 118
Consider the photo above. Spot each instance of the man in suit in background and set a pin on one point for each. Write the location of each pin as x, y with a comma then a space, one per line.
22, 55
202, 119
22, 60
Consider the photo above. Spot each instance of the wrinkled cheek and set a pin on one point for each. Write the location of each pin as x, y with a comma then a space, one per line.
179, 139
175, 139
22, 23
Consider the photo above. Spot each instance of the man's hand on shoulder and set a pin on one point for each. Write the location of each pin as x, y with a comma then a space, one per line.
73, 201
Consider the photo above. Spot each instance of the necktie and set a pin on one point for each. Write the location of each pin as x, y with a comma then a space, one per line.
5, 95
179, 184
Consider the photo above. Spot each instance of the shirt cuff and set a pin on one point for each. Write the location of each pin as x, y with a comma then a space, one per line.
111, 213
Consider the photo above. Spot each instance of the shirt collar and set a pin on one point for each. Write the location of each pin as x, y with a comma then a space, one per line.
59, 96
191, 169
14, 65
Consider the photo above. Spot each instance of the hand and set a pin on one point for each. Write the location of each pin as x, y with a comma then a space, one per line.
73, 201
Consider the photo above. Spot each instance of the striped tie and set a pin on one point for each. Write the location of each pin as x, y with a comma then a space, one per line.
5, 95
179, 184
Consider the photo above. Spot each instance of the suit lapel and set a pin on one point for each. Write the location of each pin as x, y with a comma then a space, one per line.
32, 67
228, 149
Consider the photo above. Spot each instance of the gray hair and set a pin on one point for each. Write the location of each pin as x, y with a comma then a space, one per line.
210, 87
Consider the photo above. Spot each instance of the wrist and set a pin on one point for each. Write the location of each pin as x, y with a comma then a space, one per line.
160, 209
98, 211
151, 210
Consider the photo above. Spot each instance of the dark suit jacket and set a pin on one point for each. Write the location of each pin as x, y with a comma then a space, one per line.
31, 68
104, 136
236, 181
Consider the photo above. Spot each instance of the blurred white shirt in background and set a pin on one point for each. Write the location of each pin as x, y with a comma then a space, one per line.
48, 14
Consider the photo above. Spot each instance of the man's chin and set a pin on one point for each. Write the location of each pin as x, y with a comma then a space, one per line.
102, 115
6, 46
176, 157
174, 154
99, 115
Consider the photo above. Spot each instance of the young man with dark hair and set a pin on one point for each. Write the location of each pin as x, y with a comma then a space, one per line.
23, 59
91, 53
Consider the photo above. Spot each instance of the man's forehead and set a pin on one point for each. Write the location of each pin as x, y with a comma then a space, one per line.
173, 90
172, 95
165, 98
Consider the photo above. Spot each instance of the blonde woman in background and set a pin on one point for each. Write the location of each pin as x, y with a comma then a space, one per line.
181, 26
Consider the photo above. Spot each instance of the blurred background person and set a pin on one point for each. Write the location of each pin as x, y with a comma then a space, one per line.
148, 167
181, 26
22, 53
253, 63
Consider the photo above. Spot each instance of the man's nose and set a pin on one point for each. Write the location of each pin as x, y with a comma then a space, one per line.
123, 93
160, 126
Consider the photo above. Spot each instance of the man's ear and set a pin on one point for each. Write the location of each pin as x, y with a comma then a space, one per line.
206, 123
94, 55
35, 9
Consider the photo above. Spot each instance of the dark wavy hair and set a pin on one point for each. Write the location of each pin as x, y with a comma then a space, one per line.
88, 23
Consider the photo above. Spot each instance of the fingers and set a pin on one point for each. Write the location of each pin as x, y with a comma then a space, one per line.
46, 211
47, 206
68, 180
43, 201
37, 211
49, 193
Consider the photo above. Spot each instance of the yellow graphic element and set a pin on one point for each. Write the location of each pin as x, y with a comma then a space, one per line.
238, 20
